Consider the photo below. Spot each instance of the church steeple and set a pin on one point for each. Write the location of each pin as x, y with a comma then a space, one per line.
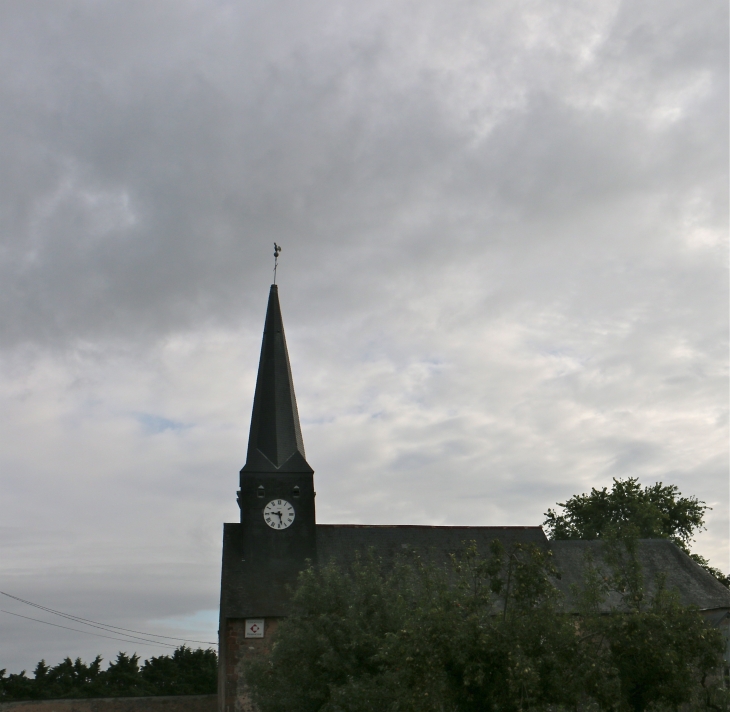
275, 440
277, 536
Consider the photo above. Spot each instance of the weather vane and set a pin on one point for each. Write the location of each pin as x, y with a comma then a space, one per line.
277, 252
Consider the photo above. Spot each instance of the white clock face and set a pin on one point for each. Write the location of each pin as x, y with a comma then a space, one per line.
279, 514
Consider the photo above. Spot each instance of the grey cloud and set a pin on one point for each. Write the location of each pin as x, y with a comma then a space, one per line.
206, 149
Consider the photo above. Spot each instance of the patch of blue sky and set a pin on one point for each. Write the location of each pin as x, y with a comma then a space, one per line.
561, 352
154, 424
203, 622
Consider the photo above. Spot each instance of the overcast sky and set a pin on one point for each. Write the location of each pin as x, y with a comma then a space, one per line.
504, 275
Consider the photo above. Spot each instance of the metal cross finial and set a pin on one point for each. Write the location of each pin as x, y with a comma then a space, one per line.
277, 252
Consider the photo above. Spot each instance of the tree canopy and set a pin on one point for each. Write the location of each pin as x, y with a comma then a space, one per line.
651, 512
487, 632
185, 672
656, 511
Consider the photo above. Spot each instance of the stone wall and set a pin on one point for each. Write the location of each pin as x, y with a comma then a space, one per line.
233, 696
181, 703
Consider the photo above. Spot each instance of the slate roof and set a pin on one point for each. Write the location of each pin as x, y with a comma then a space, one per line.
275, 440
339, 542
657, 557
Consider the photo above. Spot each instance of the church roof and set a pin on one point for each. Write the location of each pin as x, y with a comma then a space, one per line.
275, 440
659, 559
242, 597
340, 542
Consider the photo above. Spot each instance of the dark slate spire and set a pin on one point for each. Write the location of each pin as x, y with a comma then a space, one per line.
275, 441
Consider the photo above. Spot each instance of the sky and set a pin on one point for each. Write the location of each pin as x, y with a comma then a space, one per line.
503, 279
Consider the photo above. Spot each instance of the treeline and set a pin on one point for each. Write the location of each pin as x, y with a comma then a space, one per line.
185, 672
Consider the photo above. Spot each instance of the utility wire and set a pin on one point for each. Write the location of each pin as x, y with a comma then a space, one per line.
88, 632
136, 637
101, 626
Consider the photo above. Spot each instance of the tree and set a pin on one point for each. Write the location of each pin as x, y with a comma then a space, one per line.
662, 654
17, 687
484, 633
628, 509
122, 677
652, 512
187, 672
655, 652
70, 679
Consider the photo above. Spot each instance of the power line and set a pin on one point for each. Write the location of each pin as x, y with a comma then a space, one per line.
135, 637
88, 632
101, 626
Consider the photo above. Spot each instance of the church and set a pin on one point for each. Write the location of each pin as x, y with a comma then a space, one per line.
278, 531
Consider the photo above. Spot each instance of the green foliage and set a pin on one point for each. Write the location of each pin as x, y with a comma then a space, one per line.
724, 579
660, 653
186, 672
123, 677
485, 633
629, 510
655, 512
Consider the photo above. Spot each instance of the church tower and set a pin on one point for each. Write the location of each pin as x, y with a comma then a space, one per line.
277, 486
277, 535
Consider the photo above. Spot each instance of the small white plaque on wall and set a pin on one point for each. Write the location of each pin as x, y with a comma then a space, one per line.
254, 628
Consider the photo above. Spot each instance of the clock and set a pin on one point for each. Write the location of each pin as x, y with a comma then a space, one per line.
279, 514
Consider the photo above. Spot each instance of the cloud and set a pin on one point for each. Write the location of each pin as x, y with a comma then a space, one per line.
503, 277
